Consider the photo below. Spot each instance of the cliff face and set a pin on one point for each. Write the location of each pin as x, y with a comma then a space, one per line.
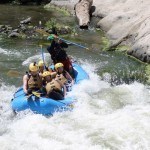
126, 21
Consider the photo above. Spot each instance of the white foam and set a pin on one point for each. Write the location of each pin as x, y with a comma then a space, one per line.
36, 58
10, 52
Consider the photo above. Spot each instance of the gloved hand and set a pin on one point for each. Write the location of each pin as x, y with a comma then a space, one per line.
51, 37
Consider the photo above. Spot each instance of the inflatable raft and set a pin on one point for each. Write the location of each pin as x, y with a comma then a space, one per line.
43, 105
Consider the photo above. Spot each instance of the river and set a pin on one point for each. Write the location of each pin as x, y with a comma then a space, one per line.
112, 112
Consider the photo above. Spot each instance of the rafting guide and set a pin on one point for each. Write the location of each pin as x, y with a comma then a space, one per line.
58, 54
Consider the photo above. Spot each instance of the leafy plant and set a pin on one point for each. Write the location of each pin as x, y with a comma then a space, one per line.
51, 23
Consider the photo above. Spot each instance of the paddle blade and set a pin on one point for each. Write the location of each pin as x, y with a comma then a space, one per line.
41, 31
36, 94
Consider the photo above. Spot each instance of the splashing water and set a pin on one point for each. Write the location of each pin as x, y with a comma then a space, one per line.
104, 117
36, 58
9, 53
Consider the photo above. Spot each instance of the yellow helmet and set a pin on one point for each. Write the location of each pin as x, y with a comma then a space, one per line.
41, 63
33, 67
58, 65
46, 73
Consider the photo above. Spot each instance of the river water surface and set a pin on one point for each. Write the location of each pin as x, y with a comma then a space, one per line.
113, 108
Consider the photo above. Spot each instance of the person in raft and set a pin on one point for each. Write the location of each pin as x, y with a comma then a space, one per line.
32, 81
43, 66
58, 54
54, 88
63, 76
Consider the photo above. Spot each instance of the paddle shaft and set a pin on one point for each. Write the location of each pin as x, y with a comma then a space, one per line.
47, 34
43, 56
73, 43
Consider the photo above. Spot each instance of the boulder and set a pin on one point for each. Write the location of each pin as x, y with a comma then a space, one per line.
125, 21
82, 10
26, 21
14, 34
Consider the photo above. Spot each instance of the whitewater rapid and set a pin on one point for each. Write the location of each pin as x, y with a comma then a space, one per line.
105, 117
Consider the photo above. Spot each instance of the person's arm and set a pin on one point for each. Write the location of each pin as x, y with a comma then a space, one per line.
62, 86
25, 84
64, 90
68, 76
63, 44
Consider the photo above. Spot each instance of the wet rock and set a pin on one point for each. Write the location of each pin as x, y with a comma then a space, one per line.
30, 27
14, 34
64, 30
9, 28
48, 30
22, 28
2, 26
3, 29
15, 30
82, 9
26, 21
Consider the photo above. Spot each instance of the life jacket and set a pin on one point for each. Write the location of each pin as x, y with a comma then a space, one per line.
62, 77
34, 82
53, 85
53, 74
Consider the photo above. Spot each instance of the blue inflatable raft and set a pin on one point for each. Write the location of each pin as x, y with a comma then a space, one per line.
43, 105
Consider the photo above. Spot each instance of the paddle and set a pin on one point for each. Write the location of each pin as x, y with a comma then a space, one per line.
39, 96
41, 31
35, 94
43, 56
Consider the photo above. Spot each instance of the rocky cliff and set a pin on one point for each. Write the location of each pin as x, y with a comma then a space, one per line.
126, 21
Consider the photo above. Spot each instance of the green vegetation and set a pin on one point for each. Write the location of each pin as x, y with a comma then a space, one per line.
61, 28
105, 43
122, 48
52, 24
147, 71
